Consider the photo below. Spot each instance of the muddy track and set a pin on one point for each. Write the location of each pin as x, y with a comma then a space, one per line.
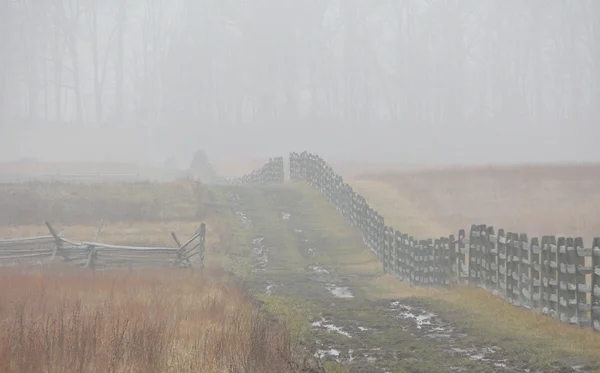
367, 335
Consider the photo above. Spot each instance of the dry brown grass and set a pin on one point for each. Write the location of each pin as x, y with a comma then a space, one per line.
167, 321
140, 233
538, 200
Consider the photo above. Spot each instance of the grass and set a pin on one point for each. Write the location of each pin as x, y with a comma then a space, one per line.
534, 199
71, 204
342, 244
167, 321
137, 214
295, 313
490, 315
399, 212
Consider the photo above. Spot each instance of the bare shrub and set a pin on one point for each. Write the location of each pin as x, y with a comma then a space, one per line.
167, 321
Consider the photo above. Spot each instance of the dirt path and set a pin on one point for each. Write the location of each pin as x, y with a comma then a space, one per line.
296, 256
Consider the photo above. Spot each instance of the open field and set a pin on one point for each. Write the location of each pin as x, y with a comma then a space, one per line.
538, 200
301, 263
68, 203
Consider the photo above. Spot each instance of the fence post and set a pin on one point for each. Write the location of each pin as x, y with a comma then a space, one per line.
595, 284
545, 275
481, 255
454, 269
525, 280
571, 281
472, 259
510, 267
429, 261
536, 280
563, 295
57, 240
580, 282
396, 255
438, 259
406, 261
463, 267
502, 264
386, 249
491, 258
553, 281
484, 249
413, 259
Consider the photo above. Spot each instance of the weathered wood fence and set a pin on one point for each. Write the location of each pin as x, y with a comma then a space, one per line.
96, 254
556, 276
271, 173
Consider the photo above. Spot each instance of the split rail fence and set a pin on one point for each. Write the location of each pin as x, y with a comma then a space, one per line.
556, 276
98, 255
271, 173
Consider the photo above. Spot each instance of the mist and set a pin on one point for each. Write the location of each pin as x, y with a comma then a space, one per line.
438, 82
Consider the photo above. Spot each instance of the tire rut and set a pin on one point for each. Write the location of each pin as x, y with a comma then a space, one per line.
371, 335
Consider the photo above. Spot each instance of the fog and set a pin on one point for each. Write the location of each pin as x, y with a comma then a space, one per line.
414, 81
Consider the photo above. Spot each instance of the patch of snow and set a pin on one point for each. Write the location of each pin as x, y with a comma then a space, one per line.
261, 255
340, 291
285, 216
269, 291
371, 359
330, 327
331, 352
242, 218
318, 269
477, 357
421, 319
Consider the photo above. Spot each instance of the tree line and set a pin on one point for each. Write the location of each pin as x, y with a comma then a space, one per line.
419, 62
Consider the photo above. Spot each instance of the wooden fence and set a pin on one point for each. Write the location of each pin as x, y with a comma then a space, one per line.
96, 254
271, 173
556, 276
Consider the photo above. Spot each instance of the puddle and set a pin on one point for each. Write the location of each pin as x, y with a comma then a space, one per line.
485, 354
261, 255
242, 218
330, 327
421, 317
331, 352
318, 269
340, 291
370, 359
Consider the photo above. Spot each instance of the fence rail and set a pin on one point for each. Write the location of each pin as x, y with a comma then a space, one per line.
98, 254
556, 276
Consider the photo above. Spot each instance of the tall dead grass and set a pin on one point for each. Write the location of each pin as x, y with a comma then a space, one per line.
134, 321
